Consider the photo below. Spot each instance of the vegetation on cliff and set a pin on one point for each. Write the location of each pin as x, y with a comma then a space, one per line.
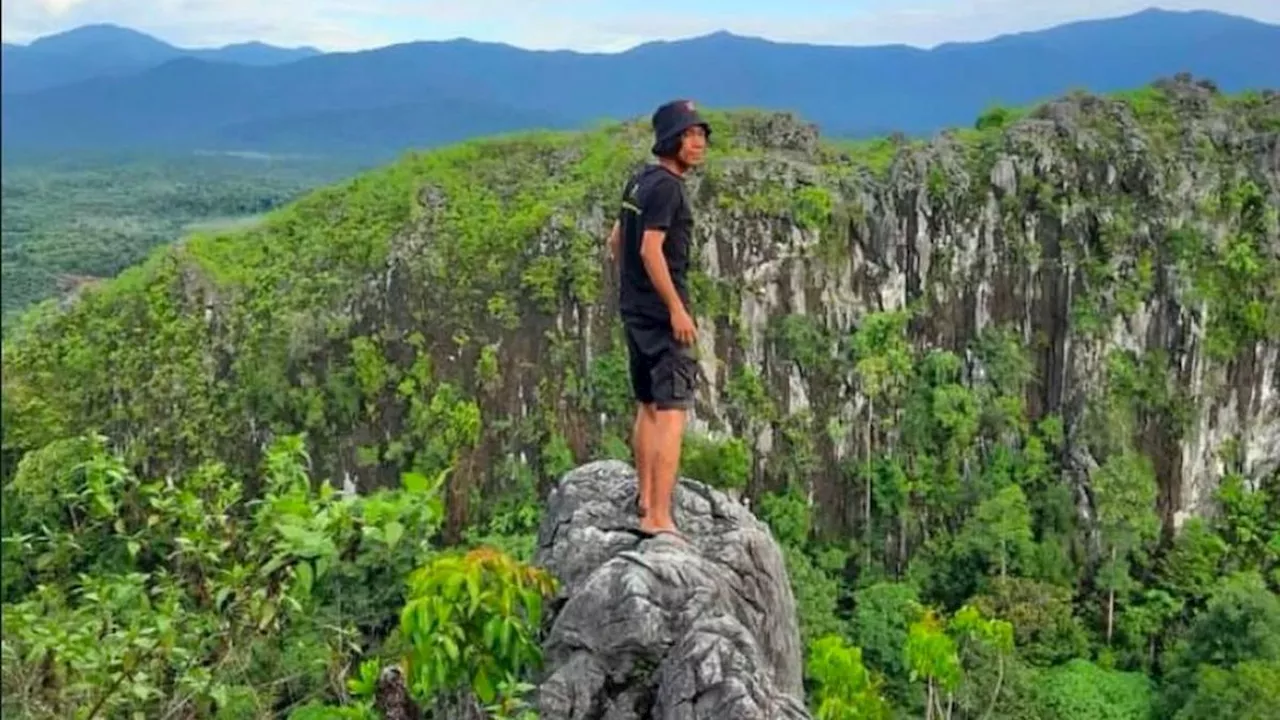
968, 382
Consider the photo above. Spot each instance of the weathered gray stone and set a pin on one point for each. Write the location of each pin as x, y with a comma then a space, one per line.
657, 628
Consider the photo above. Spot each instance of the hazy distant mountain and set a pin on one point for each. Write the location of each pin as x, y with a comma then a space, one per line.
419, 94
108, 50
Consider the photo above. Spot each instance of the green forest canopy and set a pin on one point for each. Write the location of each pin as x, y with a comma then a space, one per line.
72, 220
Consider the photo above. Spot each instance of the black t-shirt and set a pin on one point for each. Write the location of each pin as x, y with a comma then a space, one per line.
653, 198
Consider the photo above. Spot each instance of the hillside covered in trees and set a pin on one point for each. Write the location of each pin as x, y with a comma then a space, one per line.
68, 221
1007, 398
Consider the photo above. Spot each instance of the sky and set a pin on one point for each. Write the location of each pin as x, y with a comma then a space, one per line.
585, 25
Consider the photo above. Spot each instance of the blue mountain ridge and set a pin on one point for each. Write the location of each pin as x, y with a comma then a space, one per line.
109, 50
422, 94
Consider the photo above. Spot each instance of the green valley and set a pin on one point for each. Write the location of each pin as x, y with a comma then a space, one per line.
72, 220
1006, 399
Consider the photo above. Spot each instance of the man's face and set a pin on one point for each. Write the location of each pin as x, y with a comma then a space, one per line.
693, 146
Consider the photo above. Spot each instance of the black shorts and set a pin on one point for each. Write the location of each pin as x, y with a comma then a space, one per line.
663, 371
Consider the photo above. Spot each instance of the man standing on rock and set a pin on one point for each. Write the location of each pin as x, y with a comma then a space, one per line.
650, 241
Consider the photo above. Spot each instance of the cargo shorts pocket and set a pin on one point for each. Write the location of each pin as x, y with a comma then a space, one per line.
675, 380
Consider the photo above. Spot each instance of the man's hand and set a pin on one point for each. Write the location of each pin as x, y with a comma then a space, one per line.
682, 327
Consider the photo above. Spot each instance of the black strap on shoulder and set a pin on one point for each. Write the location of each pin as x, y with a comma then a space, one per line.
630, 202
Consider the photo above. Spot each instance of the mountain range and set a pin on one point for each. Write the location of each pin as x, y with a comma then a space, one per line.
109, 50
384, 100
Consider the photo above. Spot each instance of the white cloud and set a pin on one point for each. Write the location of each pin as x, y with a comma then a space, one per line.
58, 7
577, 24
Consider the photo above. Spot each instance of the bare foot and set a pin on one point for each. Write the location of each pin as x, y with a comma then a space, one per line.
652, 528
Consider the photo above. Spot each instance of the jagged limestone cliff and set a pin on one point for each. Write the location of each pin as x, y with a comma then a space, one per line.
1103, 274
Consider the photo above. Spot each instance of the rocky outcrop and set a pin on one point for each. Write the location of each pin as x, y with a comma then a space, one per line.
657, 628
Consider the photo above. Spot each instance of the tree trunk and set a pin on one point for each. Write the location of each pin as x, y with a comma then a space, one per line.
902, 544
995, 696
1111, 601
866, 534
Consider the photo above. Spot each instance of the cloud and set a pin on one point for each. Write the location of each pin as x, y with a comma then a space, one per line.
58, 7
594, 25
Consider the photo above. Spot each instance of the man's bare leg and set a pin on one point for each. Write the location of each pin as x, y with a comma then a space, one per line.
642, 448
664, 465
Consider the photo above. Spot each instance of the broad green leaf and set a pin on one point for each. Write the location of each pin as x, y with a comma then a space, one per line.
393, 531
483, 686
305, 577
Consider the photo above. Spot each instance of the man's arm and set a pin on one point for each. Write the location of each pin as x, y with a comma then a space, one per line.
655, 263
660, 210
615, 242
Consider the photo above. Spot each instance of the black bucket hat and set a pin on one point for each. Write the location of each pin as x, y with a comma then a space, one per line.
672, 119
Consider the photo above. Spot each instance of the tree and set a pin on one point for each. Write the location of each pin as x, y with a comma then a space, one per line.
845, 689
931, 656
1239, 630
1124, 496
1001, 528
883, 366
937, 651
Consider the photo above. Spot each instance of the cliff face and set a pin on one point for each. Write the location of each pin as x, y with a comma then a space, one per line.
1109, 237
1106, 266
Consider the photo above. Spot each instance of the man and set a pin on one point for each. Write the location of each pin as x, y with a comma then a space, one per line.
650, 241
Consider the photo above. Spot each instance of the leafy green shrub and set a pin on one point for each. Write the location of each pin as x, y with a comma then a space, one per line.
157, 597
845, 689
1080, 690
788, 516
998, 118
723, 463
471, 622
811, 206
